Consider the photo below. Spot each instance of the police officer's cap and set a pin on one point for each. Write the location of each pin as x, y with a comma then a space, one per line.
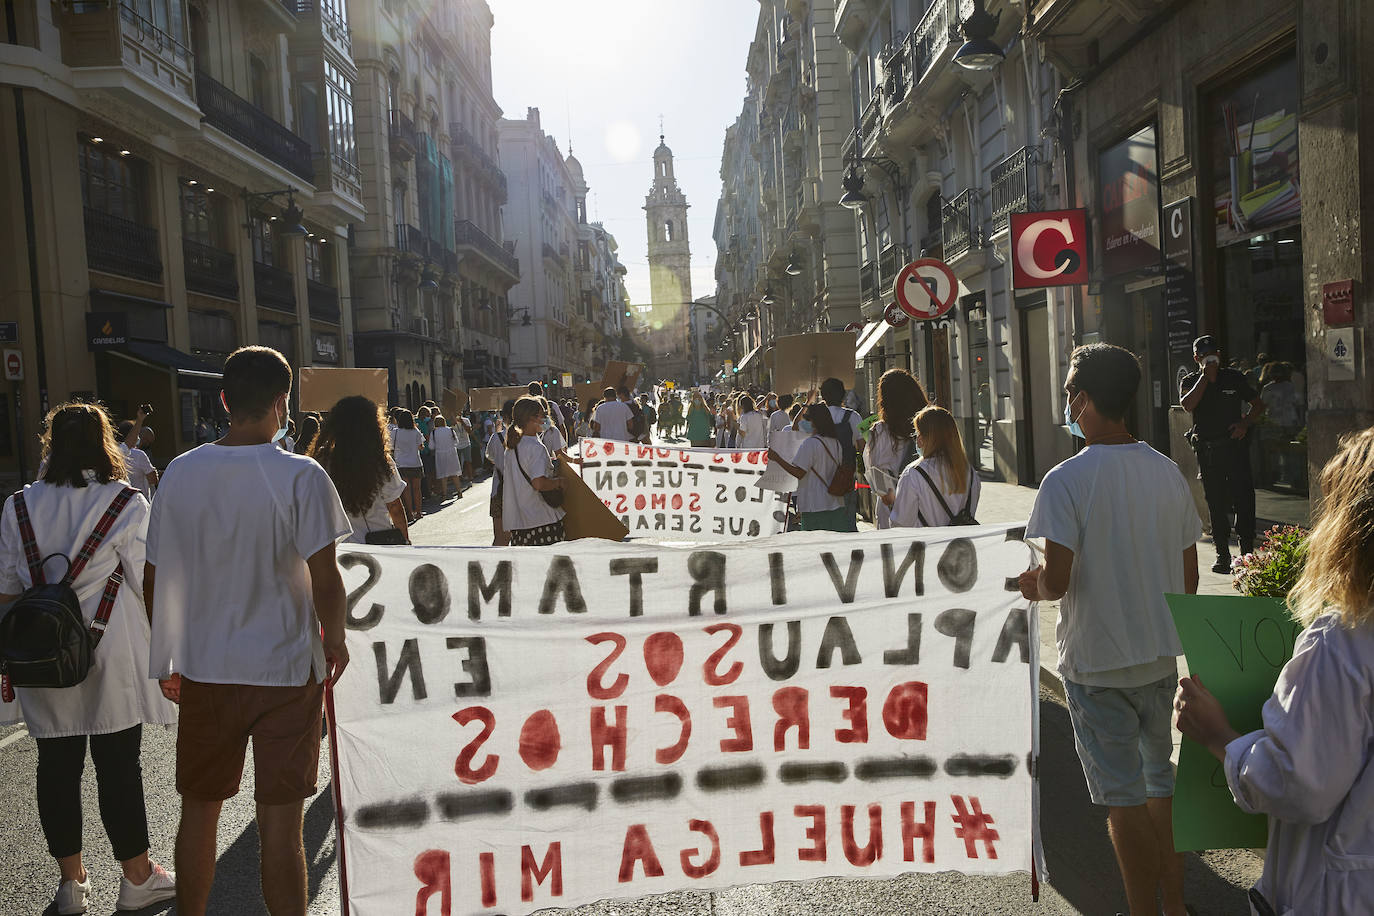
1205, 344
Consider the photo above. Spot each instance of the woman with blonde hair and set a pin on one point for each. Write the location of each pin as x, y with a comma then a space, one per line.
1311, 767
892, 440
932, 492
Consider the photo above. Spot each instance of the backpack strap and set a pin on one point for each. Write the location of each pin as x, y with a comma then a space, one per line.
102, 528
936, 490
21, 514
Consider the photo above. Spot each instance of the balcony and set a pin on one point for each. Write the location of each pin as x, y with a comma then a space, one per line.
324, 301
210, 270
928, 40
1012, 187
475, 240
868, 281
959, 224
892, 260
417, 242
402, 237
106, 43
119, 246
276, 288
253, 127
551, 253
811, 208
402, 132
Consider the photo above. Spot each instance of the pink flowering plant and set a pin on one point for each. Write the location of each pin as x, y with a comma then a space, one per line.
1273, 569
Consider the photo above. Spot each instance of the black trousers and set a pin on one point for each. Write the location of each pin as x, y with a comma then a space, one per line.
1228, 484
118, 779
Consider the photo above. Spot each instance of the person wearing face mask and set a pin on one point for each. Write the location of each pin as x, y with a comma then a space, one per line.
247, 610
1120, 532
1224, 406
815, 464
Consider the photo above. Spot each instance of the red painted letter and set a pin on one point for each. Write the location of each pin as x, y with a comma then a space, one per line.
595, 688
815, 833
667, 703
744, 732
856, 714
764, 854
604, 734
904, 711
463, 765
486, 867
431, 867
531, 874
637, 848
711, 670
912, 831
712, 861
874, 850
790, 703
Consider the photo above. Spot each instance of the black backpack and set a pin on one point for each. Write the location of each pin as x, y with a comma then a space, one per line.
963, 516
637, 425
44, 640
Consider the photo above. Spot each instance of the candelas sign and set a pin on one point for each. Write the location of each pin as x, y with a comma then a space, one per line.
1049, 248
547, 727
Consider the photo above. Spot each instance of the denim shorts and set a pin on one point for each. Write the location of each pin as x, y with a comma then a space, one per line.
1124, 739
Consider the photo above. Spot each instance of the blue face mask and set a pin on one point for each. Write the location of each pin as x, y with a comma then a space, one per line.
280, 434
548, 424
1070, 422
806, 427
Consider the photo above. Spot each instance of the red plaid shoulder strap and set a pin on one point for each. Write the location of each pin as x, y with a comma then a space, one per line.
21, 515
102, 528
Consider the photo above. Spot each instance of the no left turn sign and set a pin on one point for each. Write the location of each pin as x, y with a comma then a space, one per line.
926, 289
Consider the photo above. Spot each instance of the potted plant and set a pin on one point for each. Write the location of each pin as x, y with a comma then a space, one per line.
1273, 569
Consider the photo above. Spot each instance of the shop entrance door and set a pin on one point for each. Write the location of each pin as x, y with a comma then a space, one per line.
1148, 419
1037, 453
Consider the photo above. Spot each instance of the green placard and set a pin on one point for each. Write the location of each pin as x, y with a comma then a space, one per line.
1238, 646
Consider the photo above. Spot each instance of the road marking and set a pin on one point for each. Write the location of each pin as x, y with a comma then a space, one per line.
17, 736
479, 505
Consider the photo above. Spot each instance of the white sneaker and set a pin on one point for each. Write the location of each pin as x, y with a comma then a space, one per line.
73, 896
161, 885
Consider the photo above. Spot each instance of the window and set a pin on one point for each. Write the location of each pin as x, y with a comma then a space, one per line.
111, 183
259, 83
260, 228
668, 230
317, 262
197, 216
343, 146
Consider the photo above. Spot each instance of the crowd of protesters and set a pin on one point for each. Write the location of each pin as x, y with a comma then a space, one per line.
232, 630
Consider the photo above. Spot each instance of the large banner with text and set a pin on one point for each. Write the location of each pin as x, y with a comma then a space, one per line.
545, 727
676, 494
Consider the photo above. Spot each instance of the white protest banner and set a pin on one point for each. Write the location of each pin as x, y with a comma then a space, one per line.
694, 494
785, 442
534, 727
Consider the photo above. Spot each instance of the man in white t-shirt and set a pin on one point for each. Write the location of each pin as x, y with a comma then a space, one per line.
239, 582
779, 418
611, 419
142, 474
1120, 531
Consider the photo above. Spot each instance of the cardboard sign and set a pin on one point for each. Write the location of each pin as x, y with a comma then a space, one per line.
587, 516
1238, 645
587, 391
550, 726
803, 361
453, 402
321, 388
620, 374
785, 442
493, 398
693, 494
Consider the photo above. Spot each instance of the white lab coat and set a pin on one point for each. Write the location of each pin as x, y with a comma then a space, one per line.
117, 694
1310, 770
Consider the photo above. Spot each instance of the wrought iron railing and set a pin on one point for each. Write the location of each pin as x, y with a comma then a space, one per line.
890, 261
275, 288
959, 225
120, 246
468, 234
324, 301
253, 127
402, 132
417, 241
210, 270
1012, 186
928, 39
150, 37
402, 237
868, 281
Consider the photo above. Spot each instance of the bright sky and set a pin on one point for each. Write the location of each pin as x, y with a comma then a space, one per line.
608, 69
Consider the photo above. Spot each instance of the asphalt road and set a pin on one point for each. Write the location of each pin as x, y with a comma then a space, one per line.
1082, 867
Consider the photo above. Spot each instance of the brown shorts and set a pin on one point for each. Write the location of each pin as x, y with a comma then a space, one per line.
212, 738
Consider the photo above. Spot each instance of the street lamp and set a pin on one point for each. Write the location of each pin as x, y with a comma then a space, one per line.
525, 320
291, 217
853, 197
979, 51
793, 268
768, 297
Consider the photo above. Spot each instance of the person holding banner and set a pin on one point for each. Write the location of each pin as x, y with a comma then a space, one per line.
406, 442
942, 484
815, 464
351, 447
892, 440
528, 514
1311, 767
1120, 532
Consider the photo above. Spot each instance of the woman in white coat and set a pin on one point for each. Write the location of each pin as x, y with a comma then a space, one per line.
892, 440
1311, 767
84, 475
932, 491
448, 465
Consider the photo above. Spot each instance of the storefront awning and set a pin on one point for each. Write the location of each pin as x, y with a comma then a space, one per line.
748, 356
190, 371
871, 339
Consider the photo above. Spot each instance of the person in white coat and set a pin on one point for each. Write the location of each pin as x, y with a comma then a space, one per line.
891, 442
752, 424
1311, 767
84, 475
448, 465
931, 491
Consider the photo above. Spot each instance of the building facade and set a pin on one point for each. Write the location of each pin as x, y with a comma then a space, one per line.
430, 272
179, 180
670, 271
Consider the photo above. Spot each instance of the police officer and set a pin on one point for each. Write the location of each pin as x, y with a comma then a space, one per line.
1216, 397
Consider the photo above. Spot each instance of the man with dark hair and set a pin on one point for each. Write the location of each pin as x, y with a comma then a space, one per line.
239, 582
847, 427
611, 418
536, 389
1217, 397
779, 417
1120, 531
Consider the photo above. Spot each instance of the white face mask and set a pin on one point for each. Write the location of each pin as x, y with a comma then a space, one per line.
280, 434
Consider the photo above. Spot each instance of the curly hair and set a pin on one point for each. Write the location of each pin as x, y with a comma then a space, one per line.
900, 397
352, 448
80, 437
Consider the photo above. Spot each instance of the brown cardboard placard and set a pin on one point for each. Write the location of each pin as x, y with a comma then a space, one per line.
322, 387
453, 402
493, 398
588, 391
587, 516
620, 373
802, 361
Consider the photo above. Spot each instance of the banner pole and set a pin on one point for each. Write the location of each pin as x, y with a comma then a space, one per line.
338, 796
